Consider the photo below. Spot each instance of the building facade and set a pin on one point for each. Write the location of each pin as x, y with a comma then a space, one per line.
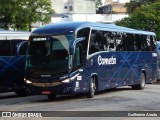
106, 2
113, 8
82, 10
74, 6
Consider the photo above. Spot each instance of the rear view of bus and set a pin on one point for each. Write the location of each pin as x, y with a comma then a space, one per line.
12, 60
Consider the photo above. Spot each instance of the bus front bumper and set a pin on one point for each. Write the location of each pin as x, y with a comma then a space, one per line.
56, 88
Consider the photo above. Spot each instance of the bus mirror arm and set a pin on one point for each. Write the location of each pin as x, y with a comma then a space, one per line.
21, 48
75, 43
70, 62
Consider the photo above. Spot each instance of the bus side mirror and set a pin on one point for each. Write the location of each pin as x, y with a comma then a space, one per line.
78, 57
75, 43
21, 48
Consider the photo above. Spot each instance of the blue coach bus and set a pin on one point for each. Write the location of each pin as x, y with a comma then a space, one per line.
12, 60
158, 59
85, 57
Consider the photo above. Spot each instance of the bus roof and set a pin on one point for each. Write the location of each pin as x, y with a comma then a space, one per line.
1, 29
60, 28
14, 33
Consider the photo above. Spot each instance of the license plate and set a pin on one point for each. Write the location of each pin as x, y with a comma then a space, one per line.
46, 92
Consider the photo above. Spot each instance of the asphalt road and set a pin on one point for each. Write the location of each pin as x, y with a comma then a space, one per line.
120, 99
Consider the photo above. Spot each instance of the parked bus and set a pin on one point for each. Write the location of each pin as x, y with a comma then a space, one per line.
12, 60
158, 60
85, 57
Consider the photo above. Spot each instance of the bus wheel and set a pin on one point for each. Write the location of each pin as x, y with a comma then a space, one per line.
141, 85
21, 93
52, 96
92, 88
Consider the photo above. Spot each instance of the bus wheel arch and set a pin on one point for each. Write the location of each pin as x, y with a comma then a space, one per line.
93, 86
95, 77
141, 85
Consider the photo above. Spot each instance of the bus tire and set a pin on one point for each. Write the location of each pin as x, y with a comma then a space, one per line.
92, 88
52, 96
141, 85
21, 93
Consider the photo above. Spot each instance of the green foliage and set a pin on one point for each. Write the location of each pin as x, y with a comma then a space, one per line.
20, 14
146, 17
132, 6
98, 3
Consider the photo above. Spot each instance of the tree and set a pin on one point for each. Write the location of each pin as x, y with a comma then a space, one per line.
98, 3
136, 4
20, 14
146, 17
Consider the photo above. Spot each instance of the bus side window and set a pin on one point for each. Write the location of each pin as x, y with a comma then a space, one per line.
78, 58
138, 42
5, 48
85, 32
153, 43
130, 42
96, 42
106, 40
147, 43
124, 47
112, 41
119, 39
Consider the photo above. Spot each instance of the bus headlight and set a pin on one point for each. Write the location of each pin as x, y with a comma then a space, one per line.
66, 81
27, 81
63, 77
70, 79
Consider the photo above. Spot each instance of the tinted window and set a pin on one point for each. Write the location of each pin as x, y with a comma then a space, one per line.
84, 33
112, 41
147, 43
96, 41
130, 42
139, 42
5, 49
120, 42
106, 40
153, 43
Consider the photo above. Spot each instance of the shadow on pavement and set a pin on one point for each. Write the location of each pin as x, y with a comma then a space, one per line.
81, 96
8, 95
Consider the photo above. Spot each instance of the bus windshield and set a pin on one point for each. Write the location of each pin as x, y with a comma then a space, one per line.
50, 53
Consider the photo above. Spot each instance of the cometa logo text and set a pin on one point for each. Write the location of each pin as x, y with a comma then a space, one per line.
106, 61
